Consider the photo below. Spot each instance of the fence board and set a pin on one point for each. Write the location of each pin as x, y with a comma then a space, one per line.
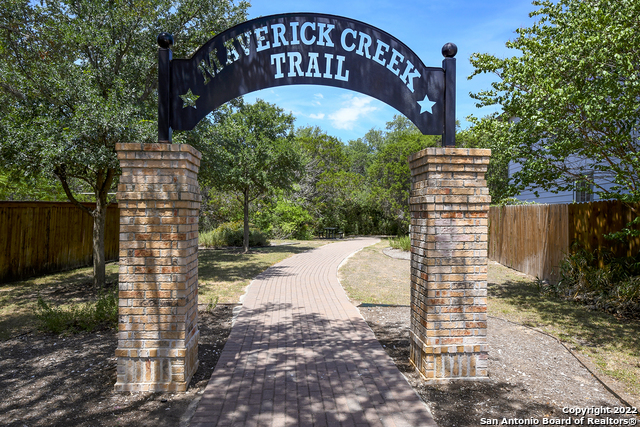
590, 222
534, 239
45, 237
527, 238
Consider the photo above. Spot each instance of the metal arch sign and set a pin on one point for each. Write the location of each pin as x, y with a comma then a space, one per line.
305, 48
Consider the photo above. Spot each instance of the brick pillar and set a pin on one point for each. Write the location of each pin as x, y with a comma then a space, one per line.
449, 215
159, 201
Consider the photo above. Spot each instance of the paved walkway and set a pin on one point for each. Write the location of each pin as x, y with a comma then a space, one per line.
300, 354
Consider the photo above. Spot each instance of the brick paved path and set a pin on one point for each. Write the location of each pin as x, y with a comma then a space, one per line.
300, 354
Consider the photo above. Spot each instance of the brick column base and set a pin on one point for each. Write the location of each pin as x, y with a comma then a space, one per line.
449, 216
159, 201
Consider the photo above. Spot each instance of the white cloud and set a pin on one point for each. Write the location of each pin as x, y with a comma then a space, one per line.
354, 107
319, 95
317, 116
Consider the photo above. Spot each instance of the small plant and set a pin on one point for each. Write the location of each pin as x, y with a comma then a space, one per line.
79, 317
213, 302
402, 243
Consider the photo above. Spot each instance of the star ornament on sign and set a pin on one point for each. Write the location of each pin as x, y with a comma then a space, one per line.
426, 105
189, 99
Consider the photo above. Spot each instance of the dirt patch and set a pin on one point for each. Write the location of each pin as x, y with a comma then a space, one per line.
68, 381
531, 375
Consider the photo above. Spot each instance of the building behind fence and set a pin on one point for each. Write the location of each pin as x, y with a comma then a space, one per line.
533, 239
46, 237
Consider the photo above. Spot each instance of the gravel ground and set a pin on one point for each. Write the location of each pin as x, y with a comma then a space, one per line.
532, 377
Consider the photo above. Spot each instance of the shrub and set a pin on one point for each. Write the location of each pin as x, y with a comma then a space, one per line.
286, 220
614, 286
402, 242
79, 317
232, 234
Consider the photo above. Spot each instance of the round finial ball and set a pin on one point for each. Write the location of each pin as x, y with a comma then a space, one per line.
449, 50
165, 40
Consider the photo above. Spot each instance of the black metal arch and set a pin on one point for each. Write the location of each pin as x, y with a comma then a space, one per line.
305, 48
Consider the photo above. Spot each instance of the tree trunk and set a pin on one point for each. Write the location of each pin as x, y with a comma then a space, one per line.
245, 240
104, 180
99, 220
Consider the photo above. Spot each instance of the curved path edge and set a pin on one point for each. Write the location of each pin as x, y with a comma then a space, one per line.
300, 354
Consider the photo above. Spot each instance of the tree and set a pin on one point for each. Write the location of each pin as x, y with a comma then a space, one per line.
390, 173
481, 135
331, 189
360, 155
248, 150
77, 77
570, 98
16, 188
322, 156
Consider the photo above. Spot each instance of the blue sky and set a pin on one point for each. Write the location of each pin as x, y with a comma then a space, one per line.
424, 26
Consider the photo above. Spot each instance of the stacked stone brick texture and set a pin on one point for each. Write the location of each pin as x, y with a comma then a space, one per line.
159, 201
449, 222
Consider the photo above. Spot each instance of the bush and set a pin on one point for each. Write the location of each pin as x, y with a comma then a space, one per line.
402, 242
286, 220
613, 287
79, 317
232, 234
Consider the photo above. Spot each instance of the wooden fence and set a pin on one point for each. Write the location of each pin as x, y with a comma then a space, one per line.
534, 238
46, 237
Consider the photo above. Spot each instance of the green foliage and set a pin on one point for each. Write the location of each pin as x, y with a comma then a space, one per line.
632, 229
614, 286
212, 304
362, 187
334, 189
511, 201
248, 148
482, 134
232, 234
79, 317
402, 243
389, 172
14, 187
285, 220
570, 98
78, 77
218, 207
248, 151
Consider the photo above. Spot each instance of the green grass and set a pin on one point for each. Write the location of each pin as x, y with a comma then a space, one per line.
612, 344
103, 313
402, 243
70, 303
371, 277
18, 300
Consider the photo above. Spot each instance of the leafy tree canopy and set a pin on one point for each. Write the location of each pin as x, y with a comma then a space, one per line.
248, 151
570, 97
77, 77
389, 170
